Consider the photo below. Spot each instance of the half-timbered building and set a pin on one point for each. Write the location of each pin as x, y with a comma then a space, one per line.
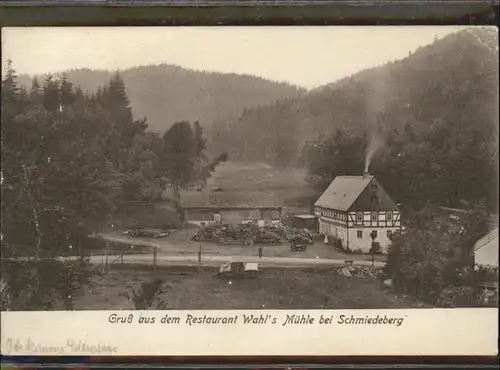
353, 207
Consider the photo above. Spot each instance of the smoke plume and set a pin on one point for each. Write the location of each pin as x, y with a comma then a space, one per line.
376, 142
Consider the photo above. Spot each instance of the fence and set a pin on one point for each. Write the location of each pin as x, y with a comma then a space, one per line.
106, 253
149, 259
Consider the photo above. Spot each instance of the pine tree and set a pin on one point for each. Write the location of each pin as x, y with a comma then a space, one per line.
10, 94
179, 156
51, 94
67, 94
201, 143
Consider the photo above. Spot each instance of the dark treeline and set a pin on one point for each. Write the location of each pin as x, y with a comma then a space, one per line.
263, 134
70, 158
440, 167
198, 95
435, 114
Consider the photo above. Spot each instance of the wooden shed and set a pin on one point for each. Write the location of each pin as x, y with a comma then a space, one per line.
309, 222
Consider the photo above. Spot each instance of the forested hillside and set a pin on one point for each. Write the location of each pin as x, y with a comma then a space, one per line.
452, 80
167, 94
431, 121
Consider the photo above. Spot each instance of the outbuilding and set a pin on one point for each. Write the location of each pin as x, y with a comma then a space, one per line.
309, 222
486, 250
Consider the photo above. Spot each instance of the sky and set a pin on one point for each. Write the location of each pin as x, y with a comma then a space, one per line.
305, 56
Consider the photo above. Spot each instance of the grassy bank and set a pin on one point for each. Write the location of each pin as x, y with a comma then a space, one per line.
188, 288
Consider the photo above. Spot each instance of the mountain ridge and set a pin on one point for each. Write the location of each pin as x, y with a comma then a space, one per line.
166, 94
444, 80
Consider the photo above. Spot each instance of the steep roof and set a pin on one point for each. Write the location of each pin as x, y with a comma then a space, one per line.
486, 249
492, 235
343, 192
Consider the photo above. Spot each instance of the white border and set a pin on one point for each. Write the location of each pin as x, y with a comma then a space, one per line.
424, 332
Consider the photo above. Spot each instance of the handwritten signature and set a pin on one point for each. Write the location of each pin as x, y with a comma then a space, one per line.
15, 345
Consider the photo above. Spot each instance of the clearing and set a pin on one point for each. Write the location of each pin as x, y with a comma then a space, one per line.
237, 184
248, 184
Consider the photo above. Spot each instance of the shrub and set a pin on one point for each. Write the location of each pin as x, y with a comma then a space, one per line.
44, 284
148, 296
488, 298
457, 297
5, 297
431, 260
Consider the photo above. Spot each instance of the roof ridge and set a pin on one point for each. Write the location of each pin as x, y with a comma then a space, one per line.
491, 235
356, 176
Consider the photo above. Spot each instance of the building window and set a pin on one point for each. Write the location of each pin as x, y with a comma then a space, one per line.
374, 216
359, 234
374, 232
389, 216
359, 218
389, 234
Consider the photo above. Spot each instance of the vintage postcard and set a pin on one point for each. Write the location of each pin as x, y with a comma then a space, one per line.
249, 191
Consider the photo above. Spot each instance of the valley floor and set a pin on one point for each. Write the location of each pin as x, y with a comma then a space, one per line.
181, 244
187, 288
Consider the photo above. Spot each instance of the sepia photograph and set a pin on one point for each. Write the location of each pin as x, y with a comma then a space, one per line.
249, 168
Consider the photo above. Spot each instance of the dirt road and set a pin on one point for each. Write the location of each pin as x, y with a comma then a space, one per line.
192, 260
180, 244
